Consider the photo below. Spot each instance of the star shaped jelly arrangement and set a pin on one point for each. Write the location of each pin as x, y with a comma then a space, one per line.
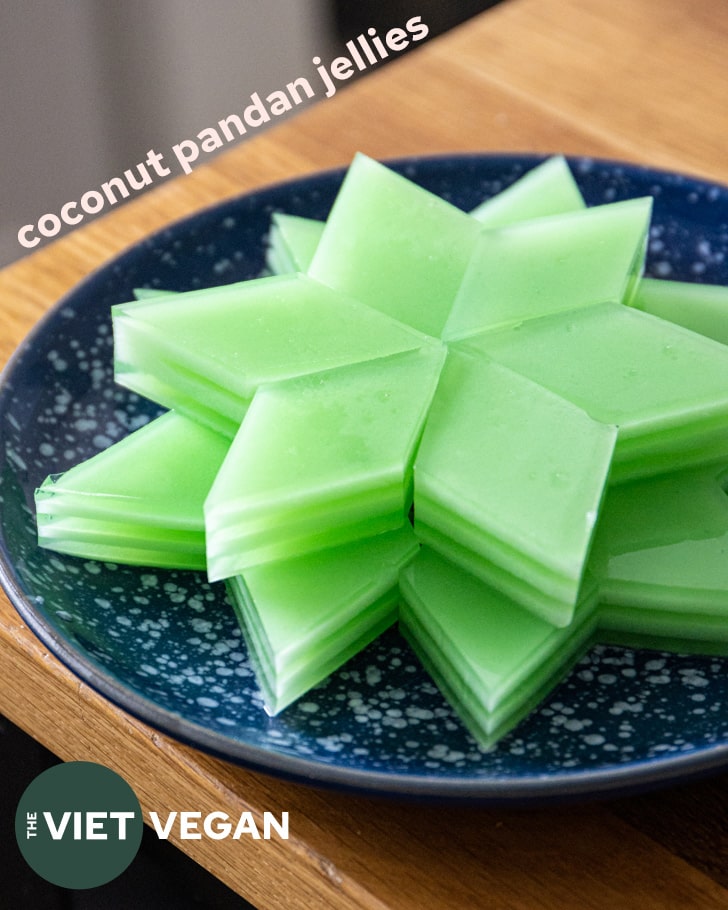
487, 425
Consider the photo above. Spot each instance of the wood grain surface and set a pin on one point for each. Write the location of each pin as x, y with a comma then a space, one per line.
628, 79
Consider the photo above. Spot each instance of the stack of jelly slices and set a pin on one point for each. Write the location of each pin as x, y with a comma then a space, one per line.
487, 424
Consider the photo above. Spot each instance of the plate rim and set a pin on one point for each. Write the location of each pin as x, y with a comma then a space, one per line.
528, 789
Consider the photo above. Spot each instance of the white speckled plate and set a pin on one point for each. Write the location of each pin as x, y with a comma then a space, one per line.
165, 645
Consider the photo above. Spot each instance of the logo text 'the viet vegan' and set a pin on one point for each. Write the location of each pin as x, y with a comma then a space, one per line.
79, 825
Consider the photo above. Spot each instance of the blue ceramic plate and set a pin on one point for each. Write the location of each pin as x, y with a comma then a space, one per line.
165, 645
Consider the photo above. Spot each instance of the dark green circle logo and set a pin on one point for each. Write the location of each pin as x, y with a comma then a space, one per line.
79, 825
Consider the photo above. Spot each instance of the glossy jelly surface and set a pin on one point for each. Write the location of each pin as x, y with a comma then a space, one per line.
321, 460
493, 659
551, 265
508, 482
305, 617
666, 388
140, 501
394, 246
206, 352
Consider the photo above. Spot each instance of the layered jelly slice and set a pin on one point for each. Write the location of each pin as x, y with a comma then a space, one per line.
303, 618
508, 483
661, 556
703, 308
292, 241
394, 246
319, 461
665, 387
551, 265
548, 188
138, 502
204, 353
149, 293
492, 660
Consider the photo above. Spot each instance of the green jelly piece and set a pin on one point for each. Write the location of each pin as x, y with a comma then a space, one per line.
319, 461
149, 293
395, 246
292, 241
685, 632
204, 353
551, 265
665, 387
303, 618
703, 308
661, 555
508, 483
662, 543
138, 502
547, 189
492, 660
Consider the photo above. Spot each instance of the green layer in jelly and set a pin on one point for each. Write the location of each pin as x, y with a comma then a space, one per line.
394, 246
513, 476
703, 308
303, 618
665, 387
140, 501
205, 353
493, 660
320, 460
551, 265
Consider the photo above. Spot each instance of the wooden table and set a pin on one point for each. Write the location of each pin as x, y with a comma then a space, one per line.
628, 79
